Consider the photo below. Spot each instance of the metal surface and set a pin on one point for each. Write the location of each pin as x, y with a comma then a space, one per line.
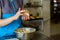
26, 34
39, 36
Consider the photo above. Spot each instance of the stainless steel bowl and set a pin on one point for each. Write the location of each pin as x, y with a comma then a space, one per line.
25, 33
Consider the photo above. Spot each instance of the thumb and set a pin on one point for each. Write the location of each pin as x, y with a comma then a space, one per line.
19, 9
21, 14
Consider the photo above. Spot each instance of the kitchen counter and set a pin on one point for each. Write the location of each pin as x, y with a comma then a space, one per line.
39, 36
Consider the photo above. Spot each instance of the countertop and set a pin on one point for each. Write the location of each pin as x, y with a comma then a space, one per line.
39, 36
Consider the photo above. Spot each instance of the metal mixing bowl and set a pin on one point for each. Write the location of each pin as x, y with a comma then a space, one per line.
25, 33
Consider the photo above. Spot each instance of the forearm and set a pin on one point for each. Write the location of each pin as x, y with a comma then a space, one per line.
25, 16
4, 22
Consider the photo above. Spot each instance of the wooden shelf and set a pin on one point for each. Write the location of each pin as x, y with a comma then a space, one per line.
35, 19
32, 6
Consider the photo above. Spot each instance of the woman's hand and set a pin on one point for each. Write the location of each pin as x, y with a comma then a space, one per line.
25, 16
18, 13
24, 13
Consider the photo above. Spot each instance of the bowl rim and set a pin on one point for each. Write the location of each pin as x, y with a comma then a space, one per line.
25, 32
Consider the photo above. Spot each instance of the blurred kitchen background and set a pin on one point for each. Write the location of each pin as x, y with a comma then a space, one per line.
55, 19
40, 8
45, 15
49, 10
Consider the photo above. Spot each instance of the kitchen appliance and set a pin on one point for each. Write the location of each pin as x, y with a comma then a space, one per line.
25, 33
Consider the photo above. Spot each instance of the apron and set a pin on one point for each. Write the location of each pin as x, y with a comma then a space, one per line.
9, 29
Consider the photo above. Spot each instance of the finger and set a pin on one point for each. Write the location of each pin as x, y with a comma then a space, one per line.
26, 18
19, 9
21, 14
22, 11
23, 17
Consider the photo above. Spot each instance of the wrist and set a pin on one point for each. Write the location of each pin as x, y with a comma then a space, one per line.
14, 18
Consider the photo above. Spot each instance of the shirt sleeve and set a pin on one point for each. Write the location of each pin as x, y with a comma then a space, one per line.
0, 3
21, 3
